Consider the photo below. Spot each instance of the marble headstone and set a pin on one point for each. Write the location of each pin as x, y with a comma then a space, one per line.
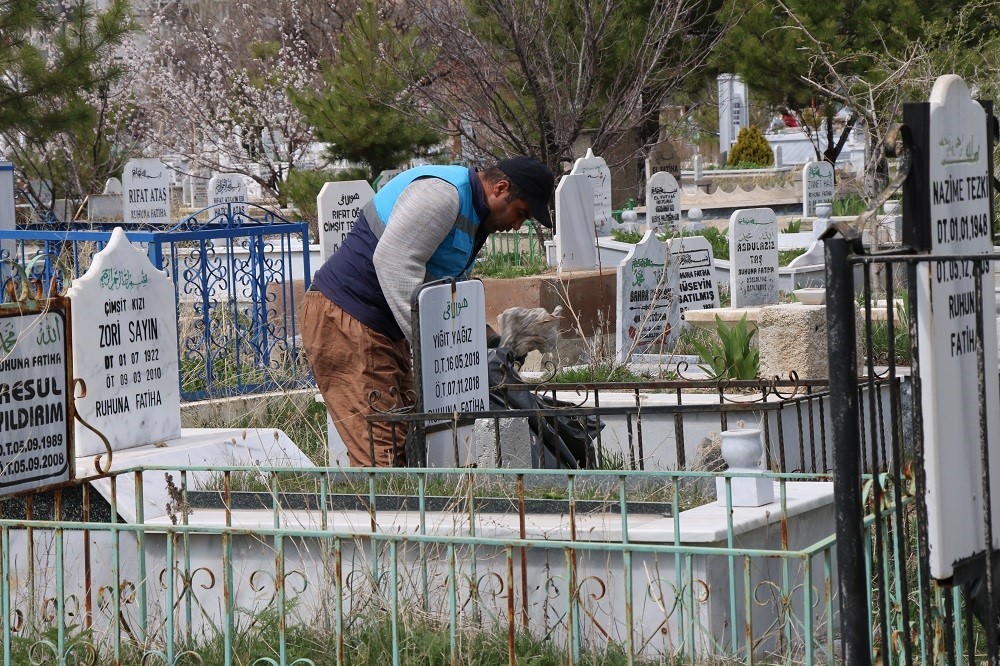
384, 177
817, 186
112, 186
105, 207
599, 176
146, 192
956, 204
753, 253
695, 265
663, 202
35, 418
733, 109
339, 204
227, 192
575, 248
663, 156
7, 209
125, 349
453, 364
648, 318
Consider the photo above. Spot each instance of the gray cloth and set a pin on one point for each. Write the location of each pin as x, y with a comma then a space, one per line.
423, 216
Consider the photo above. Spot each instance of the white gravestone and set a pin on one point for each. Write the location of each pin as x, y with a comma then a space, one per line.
34, 400
453, 364
960, 193
227, 192
112, 186
125, 349
733, 109
817, 186
575, 248
146, 192
599, 175
695, 265
663, 156
7, 209
384, 177
648, 314
339, 204
663, 203
753, 252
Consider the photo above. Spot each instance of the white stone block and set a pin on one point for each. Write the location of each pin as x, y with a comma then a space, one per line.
746, 490
515, 443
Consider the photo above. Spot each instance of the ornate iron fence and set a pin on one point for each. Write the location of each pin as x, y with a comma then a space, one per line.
238, 280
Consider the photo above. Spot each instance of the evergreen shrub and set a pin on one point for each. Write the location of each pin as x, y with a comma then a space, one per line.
751, 148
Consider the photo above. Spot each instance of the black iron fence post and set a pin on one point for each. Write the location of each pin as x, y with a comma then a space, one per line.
843, 354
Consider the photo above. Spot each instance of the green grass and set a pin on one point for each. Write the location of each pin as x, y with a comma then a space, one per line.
793, 227
626, 236
607, 372
509, 265
851, 204
785, 256
368, 641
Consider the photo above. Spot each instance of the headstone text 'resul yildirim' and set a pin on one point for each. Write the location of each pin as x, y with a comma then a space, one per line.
34, 400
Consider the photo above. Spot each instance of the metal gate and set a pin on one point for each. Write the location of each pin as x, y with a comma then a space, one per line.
899, 604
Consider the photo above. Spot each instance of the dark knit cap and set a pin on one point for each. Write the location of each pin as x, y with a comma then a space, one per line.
535, 180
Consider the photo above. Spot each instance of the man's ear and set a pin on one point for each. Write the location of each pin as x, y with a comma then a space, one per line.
501, 187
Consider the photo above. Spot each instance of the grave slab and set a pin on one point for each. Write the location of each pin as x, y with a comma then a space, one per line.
196, 447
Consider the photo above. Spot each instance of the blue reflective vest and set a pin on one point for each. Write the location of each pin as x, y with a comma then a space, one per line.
453, 258
348, 277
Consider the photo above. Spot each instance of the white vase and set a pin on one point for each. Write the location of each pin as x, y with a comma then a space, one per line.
742, 448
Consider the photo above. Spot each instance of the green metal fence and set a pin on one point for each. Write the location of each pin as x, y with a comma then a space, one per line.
269, 565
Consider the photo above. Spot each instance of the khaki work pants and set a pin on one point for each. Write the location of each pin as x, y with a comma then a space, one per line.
359, 372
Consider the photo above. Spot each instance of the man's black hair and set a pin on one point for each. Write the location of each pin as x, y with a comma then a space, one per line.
495, 174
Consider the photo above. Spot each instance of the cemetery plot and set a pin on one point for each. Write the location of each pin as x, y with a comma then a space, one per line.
36, 443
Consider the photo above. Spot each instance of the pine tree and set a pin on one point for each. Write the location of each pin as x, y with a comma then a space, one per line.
367, 113
49, 54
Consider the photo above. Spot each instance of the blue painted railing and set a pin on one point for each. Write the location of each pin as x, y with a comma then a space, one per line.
235, 277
